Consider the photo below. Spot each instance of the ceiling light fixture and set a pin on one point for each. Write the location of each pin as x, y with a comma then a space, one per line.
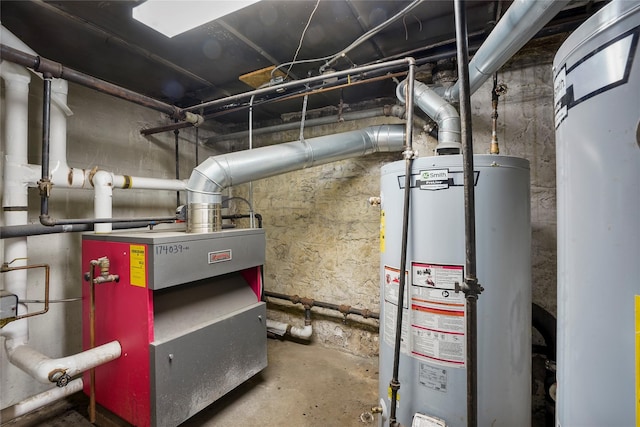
173, 17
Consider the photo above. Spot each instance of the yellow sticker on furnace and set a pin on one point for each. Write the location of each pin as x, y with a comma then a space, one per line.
137, 265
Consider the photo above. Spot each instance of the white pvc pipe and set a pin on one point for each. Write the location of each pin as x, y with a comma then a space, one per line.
14, 192
281, 328
41, 367
102, 199
139, 182
33, 403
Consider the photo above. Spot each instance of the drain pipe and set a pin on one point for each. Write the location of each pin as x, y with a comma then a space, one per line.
471, 288
408, 155
211, 177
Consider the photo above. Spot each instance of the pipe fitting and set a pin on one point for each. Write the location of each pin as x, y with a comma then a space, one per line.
195, 119
307, 302
60, 377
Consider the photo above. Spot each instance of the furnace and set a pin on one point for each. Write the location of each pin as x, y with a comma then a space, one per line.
187, 311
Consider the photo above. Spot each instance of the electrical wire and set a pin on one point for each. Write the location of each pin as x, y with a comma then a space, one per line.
295, 56
334, 57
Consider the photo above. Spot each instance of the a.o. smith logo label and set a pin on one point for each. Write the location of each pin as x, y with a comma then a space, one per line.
220, 256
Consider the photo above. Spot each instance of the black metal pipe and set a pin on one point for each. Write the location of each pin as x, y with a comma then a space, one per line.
11, 231
308, 302
408, 154
177, 137
471, 288
239, 216
50, 222
45, 183
58, 70
197, 146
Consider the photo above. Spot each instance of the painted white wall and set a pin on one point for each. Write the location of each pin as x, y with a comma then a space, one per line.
102, 132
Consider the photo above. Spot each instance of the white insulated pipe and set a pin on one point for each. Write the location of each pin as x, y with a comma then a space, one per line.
44, 369
36, 402
14, 194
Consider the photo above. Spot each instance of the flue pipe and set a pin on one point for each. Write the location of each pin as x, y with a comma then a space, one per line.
211, 177
520, 23
443, 113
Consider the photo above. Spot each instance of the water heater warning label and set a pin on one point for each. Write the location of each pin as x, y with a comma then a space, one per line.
137, 265
437, 314
391, 296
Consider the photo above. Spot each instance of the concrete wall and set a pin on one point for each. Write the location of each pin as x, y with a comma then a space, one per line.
322, 236
103, 132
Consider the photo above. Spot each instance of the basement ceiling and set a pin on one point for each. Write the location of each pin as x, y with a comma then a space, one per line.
100, 38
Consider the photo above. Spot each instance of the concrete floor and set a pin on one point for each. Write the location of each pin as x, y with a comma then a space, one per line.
304, 385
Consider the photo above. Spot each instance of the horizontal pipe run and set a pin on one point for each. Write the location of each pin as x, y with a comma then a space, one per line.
333, 119
298, 83
58, 70
344, 309
50, 222
46, 370
281, 329
340, 83
11, 231
40, 400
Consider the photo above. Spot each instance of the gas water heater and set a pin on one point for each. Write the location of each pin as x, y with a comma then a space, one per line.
433, 371
188, 314
597, 119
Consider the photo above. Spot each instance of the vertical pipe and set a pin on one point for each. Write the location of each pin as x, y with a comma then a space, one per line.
92, 343
408, 157
197, 146
471, 288
45, 182
251, 213
177, 134
14, 191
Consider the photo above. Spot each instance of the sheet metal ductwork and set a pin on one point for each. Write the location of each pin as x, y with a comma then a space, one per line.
210, 178
520, 23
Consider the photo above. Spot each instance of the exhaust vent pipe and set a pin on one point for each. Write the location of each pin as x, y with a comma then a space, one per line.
211, 177
520, 23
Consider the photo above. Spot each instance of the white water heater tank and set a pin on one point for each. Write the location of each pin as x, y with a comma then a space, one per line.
433, 371
597, 119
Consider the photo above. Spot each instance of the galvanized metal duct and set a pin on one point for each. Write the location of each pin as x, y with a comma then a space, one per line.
443, 113
520, 23
216, 173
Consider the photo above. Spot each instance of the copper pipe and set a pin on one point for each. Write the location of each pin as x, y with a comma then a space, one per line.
92, 342
5, 268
